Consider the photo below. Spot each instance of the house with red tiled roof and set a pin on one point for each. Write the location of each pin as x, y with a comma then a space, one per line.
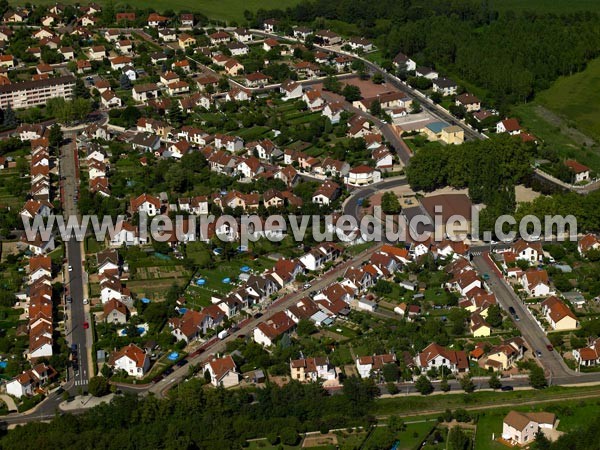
510, 126
312, 369
581, 173
222, 372
115, 311
528, 251
268, 331
558, 314
145, 203
132, 359
536, 283
434, 355
371, 365
588, 356
587, 243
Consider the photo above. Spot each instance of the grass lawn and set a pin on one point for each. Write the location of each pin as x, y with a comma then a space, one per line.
413, 404
567, 115
200, 295
223, 10
576, 98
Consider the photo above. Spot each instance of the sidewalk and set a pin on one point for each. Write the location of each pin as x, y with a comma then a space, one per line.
82, 401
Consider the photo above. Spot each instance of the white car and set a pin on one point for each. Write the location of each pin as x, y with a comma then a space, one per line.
70, 268
85, 301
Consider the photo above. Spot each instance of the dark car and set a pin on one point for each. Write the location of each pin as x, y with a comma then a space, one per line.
181, 363
550, 348
168, 371
157, 378
258, 315
507, 388
511, 310
73, 348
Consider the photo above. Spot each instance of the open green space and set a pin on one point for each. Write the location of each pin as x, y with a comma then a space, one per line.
576, 99
414, 404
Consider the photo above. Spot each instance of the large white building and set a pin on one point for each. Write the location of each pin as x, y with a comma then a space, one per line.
38, 92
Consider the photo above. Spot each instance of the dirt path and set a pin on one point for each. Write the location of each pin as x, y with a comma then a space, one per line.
483, 406
552, 118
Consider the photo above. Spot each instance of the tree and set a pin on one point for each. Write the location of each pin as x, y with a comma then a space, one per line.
289, 436
351, 93
458, 440
466, 383
125, 82
175, 113
306, 328
332, 84
98, 386
375, 108
415, 107
537, 379
10, 120
494, 381
423, 385
56, 136
444, 385
494, 317
390, 372
541, 442
436, 97
130, 116
390, 203
80, 91
378, 78
396, 424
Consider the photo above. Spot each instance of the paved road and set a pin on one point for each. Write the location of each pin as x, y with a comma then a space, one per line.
76, 333
531, 332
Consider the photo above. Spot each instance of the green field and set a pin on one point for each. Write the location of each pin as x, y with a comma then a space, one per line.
566, 116
220, 10
576, 99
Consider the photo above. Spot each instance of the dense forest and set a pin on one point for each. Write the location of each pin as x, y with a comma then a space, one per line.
509, 56
197, 418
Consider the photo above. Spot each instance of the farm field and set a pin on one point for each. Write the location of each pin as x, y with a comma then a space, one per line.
226, 10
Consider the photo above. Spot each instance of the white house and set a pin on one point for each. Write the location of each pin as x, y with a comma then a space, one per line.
132, 360
222, 372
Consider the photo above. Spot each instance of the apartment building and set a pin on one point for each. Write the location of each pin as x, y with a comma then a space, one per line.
38, 92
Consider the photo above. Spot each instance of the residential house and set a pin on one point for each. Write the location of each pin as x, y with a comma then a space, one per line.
521, 428
510, 126
535, 282
312, 370
558, 314
468, 101
132, 360
115, 311
222, 372
368, 366
268, 331
436, 356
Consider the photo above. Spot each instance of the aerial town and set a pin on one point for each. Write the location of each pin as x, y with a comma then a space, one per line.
266, 339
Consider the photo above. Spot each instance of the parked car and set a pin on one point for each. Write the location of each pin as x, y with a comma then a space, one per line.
511, 310
550, 348
86, 325
507, 388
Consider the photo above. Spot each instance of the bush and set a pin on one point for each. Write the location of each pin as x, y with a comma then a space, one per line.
289, 436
